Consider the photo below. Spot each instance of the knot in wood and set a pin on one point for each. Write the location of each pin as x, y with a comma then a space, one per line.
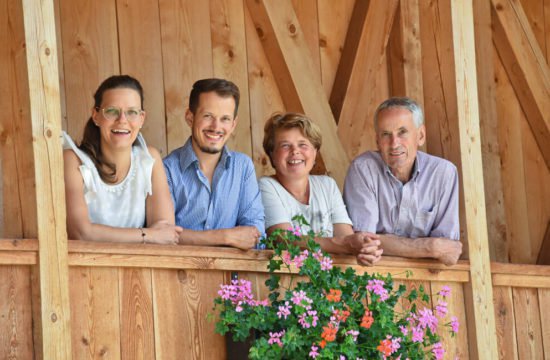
260, 32
53, 317
47, 51
292, 29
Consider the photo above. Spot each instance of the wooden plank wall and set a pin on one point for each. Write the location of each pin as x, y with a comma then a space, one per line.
170, 44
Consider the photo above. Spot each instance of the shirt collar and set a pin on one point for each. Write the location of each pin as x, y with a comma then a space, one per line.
417, 166
188, 156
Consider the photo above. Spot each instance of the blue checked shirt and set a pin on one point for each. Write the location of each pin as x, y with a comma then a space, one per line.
233, 199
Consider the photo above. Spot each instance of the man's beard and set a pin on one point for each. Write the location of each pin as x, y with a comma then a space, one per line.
206, 149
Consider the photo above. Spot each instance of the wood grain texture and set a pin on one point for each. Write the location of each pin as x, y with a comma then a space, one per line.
95, 313
440, 97
544, 252
526, 67
455, 346
140, 46
537, 178
301, 88
90, 54
528, 327
186, 58
359, 102
230, 62
308, 17
505, 322
16, 337
45, 110
405, 52
496, 216
544, 305
512, 168
265, 98
334, 18
17, 157
183, 298
472, 172
136, 314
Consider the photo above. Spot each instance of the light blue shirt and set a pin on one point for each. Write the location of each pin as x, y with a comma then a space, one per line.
232, 200
425, 206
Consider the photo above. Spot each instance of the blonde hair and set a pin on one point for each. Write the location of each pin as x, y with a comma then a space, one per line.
287, 121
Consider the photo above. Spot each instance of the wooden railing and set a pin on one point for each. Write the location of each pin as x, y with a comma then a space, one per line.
149, 301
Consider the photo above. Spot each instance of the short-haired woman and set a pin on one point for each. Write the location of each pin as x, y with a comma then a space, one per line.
292, 141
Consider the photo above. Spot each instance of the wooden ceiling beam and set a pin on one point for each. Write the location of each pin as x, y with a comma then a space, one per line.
526, 67
297, 76
355, 88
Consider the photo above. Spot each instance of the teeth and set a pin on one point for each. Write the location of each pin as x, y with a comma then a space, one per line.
295, 161
120, 131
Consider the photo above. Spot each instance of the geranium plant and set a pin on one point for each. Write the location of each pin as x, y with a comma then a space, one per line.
330, 313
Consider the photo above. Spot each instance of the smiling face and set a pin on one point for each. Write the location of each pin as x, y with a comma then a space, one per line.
119, 133
293, 154
398, 140
212, 123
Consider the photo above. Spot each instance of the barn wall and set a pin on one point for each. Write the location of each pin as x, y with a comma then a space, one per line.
391, 48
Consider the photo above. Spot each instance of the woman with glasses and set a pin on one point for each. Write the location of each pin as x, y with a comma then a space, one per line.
115, 185
292, 141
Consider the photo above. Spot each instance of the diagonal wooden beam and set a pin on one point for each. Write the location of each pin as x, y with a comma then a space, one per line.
481, 295
347, 59
45, 113
526, 67
371, 50
296, 75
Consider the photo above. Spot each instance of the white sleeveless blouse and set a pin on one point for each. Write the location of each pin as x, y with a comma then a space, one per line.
123, 204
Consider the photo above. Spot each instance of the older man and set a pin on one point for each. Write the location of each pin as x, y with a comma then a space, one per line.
408, 197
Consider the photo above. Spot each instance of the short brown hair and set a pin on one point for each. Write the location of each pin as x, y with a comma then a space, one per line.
290, 121
222, 87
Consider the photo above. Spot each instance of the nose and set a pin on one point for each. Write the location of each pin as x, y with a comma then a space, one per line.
122, 117
394, 141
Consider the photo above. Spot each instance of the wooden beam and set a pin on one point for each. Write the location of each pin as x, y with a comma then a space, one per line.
526, 67
334, 22
544, 253
406, 53
265, 98
230, 62
472, 171
347, 59
141, 56
298, 80
494, 198
186, 58
352, 118
50, 193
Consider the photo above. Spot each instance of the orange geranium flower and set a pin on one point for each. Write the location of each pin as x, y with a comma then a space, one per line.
385, 347
341, 315
329, 333
367, 319
322, 344
334, 295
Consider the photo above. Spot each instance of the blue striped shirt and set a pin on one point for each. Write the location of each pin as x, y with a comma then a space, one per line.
233, 199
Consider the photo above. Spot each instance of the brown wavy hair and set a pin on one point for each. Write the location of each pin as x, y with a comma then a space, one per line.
91, 143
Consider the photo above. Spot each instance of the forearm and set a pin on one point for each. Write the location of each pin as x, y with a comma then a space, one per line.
334, 245
98, 232
444, 249
204, 238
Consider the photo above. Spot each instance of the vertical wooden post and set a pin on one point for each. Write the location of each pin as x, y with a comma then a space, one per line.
45, 113
472, 172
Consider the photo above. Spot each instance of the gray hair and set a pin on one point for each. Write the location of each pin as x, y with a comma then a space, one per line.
404, 103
